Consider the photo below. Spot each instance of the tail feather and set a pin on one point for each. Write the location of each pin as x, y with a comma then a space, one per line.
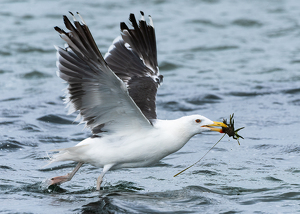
67, 154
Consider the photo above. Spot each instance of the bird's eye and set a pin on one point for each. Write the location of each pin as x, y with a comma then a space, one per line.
198, 121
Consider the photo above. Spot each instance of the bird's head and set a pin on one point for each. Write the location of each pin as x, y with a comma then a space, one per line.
199, 123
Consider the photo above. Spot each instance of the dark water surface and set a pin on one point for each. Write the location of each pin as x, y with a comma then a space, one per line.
217, 57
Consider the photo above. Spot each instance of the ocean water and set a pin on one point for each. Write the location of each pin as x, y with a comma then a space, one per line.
217, 58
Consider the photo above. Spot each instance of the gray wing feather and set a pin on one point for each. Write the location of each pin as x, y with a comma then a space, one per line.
101, 97
133, 58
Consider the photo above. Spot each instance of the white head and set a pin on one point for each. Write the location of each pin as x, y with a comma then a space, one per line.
195, 124
176, 133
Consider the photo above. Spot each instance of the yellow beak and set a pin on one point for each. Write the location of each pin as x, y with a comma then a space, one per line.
216, 124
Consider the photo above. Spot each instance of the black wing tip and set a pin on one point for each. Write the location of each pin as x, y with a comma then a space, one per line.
59, 30
131, 16
132, 19
123, 26
65, 17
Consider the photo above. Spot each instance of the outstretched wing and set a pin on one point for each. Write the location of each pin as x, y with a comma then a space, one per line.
133, 58
100, 96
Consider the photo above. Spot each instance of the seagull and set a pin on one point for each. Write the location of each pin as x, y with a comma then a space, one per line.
115, 97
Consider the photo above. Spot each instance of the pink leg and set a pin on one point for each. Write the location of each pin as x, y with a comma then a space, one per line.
61, 179
100, 178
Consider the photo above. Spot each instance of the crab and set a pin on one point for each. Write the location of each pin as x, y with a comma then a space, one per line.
229, 130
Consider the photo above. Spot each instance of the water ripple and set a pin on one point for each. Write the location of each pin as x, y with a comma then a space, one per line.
214, 48
6, 168
205, 172
10, 145
35, 75
52, 139
247, 23
176, 106
168, 66
206, 22
51, 118
30, 128
292, 91
203, 99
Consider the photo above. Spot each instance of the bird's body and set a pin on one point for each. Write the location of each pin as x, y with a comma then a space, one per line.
140, 148
115, 97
